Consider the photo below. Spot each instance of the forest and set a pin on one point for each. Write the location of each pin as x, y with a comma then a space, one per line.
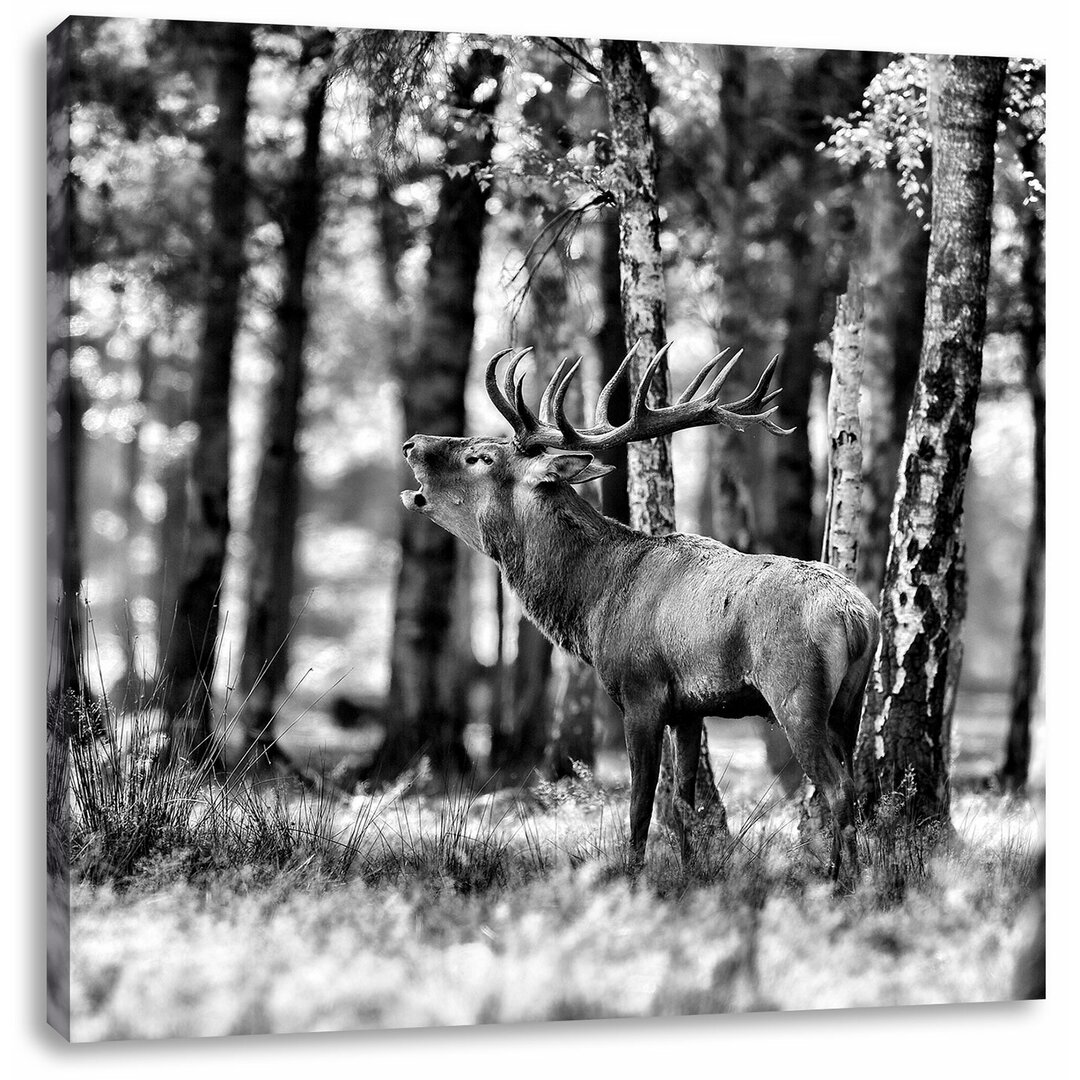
275, 254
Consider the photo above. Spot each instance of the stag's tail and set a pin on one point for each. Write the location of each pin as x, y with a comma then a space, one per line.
861, 628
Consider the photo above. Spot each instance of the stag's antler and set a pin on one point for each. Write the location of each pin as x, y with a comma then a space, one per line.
552, 429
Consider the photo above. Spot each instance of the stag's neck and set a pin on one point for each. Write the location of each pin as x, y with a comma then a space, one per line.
562, 558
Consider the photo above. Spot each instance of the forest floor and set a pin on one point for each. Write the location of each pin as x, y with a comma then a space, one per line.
300, 914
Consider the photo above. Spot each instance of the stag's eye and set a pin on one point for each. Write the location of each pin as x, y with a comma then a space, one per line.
472, 459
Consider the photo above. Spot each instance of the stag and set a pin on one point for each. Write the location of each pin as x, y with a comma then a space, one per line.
678, 627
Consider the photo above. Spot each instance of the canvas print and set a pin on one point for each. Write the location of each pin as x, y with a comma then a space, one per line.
538, 528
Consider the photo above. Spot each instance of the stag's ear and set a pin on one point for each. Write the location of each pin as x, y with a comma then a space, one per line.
574, 468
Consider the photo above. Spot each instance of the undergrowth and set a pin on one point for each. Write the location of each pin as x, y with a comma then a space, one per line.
137, 816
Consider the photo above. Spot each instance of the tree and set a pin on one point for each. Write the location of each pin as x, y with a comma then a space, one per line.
1014, 770
813, 215
908, 698
276, 506
890, 262
730, 506
651, 484
191, 652
65, 405
840, 542
426, 706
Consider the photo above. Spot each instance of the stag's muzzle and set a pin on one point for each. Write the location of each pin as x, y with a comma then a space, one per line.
414, 500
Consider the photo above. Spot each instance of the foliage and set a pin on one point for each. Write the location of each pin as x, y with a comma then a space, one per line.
892, 128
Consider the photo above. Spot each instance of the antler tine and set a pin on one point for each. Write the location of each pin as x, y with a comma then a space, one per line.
510, 371
700, 377
549, 390
717, 384
570, 433
529, 422
638, 406
755, 399
499, 399
772, 425
600, 413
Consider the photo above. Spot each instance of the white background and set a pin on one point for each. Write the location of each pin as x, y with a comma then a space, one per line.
1035, 1040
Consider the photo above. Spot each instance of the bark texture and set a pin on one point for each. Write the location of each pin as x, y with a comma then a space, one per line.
277, 495
191, 653
426, 703
908, 697
840, 543
651, 485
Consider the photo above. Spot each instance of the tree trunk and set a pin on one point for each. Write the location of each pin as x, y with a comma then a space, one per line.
276, 506
611, 346
519, 737
1014, 771
907, 701
572, 729
572, 737
890, 261
815, 226
610, 343
728, 510
790, 526
840, 543
731, 517
65, 406
426, 703
134, 523
191, 655
651, 483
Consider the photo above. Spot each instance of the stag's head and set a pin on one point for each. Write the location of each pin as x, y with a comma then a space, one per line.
465, 481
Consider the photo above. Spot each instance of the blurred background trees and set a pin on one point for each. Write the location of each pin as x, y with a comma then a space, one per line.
290, 249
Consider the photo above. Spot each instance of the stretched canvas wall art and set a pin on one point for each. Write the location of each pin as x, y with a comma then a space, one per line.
538, 528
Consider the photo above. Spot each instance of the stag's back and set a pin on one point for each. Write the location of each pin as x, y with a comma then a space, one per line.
712, 622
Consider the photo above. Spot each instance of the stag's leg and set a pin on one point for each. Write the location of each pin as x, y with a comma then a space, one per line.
644, 732
686, 736
819, 750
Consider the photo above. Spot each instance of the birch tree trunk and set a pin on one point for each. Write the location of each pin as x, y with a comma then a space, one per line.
189, 664
840, 542
644, 305
276, 506
651, 483
426, 703
907, 701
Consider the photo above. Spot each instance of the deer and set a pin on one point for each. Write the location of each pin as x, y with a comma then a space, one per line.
678, 627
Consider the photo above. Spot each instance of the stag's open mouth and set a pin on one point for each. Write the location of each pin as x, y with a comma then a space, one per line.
414, 500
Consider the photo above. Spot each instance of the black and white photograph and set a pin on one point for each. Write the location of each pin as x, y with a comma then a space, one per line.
539, 528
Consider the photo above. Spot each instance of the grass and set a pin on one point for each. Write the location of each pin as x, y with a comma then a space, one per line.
201, 907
